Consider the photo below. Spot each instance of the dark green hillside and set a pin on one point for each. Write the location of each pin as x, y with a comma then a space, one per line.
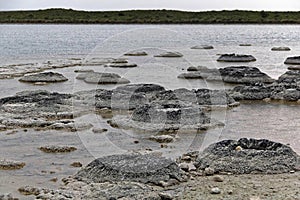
149, 16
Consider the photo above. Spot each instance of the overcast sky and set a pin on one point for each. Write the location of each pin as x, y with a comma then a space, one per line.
194, 5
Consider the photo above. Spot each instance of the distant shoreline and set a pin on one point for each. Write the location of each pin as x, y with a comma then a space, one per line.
68, 16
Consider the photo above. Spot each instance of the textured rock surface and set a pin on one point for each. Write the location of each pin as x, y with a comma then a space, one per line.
102, 78
243, 74
11, 165
236, 58
249, 156
202, 47
48, 77
280, 49
136, 53
293, 60
169, 55
131, 167
57, 149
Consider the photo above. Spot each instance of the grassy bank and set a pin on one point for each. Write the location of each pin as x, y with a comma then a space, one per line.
149, 17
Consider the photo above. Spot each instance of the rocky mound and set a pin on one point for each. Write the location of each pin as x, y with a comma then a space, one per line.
48, 77
121, 65
291, 76
236, 58
248, 156
11, 165
293, 60
280, 49
136, 53
202, 47
102, 78
243, 74
131, 167
169, 55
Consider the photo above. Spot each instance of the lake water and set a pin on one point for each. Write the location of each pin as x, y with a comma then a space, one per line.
36, 43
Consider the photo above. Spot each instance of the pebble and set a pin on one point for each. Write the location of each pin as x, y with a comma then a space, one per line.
209, 171
218, 178
215, 190
99, 130
76, 164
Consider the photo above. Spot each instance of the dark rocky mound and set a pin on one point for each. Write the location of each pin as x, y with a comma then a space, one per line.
236, 58
141, 88
280, 49
44, 77
169, 55
291, 76
136, 53
102, 78
202, 47
256, 91
248, 156
131, 167
293, 60
243, 74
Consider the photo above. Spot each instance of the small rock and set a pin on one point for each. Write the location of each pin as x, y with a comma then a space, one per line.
76, 164
202, 47
11, 165
44, 77
2, 127
54, 179
57, 149
230, 192
165, 196
136, 53
99, 130
215, 190
162, 138
209, 171
238, 148
236, 58
245, 45
293, 60
280, 49
169, 54
218, 178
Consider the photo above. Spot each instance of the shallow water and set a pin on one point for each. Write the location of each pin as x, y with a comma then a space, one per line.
31, 43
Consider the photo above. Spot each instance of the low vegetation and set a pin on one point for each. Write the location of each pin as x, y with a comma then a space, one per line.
149, 17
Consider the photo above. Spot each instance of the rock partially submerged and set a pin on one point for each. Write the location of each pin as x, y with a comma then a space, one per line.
11, 165
280, 49
48, 77
249, 156
245, 45
190, 76
236, 58
202, 47
136, 53
57, 149
121, 65
169, 55
102, 78
243, 74
131, 167
293, 60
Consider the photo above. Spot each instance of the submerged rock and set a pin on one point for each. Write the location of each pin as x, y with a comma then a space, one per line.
202, 47
243, 74
190, 76
11, 165
57, 149
252, 156
293, 60
169, 55
280, 49
245, 45
131, 167
136, 53
121, 65
48, 77
236, 58
102, 78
